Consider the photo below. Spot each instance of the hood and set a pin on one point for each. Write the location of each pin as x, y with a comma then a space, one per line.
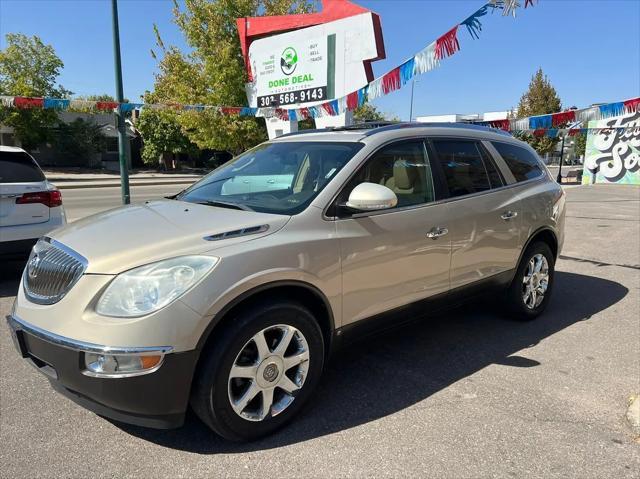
130, 236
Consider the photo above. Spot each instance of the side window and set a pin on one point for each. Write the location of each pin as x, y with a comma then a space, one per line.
495, 178
402, 167
464, 167
523, 164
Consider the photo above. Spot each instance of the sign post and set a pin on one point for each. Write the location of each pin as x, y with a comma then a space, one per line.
120, 123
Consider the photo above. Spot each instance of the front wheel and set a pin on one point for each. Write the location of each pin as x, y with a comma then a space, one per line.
530, 290
260, 372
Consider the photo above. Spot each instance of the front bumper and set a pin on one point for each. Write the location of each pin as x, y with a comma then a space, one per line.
158, 400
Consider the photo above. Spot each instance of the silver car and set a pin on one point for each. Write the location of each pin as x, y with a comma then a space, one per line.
230, 298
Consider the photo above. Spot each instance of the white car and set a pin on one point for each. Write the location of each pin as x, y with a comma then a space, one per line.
30, 206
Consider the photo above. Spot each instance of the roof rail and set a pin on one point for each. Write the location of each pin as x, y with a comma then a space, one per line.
461, 126
375, 127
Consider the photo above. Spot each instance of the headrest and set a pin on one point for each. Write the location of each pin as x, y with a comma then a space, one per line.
404, 174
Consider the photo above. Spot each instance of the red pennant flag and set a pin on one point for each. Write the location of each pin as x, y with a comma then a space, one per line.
282, 114
230, 110
501, 124
632, 105
106, 105
304, 113
352, 101
391, 81
539, 132
328, 108
447, 44
24, 102
558, 119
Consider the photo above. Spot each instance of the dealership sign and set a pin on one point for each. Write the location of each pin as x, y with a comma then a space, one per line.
319, 57
296, 74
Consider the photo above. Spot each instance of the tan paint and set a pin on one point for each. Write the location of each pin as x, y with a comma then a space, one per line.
363, 266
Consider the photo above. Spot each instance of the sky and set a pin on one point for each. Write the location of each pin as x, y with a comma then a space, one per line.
590, 49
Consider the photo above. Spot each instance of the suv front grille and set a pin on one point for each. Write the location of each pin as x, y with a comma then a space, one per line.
51, 271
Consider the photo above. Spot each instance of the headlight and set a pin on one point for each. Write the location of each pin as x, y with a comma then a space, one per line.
148, 288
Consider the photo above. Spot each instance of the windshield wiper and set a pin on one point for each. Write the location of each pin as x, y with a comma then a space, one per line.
224, 204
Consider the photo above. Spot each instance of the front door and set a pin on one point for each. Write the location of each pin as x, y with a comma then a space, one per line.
394, 257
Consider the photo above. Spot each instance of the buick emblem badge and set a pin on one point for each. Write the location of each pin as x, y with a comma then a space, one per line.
32, 267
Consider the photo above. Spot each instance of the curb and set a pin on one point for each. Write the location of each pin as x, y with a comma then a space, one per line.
63, 186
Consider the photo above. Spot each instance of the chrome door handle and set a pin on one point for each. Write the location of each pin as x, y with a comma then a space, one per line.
509, 215
436, 232
272, 181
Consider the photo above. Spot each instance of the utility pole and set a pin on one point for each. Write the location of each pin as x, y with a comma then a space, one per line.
120, 123
413, 84
559, 179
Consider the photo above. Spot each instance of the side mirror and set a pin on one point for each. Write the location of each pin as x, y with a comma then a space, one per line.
370, 197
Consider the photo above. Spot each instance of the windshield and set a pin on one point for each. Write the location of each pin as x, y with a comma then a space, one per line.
280, 177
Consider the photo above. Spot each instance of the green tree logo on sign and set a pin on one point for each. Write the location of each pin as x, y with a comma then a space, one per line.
288, 60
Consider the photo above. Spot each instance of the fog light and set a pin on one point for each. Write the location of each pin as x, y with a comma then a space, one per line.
120, 365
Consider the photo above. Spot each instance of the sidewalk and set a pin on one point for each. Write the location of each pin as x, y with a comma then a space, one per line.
75, 180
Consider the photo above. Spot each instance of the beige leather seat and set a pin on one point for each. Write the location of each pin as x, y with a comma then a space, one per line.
406, 183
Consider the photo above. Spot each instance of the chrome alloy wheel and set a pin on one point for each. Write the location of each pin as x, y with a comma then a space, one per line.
270, 368
535, 281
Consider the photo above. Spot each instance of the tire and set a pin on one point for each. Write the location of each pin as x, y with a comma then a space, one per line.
214, 389
519, 305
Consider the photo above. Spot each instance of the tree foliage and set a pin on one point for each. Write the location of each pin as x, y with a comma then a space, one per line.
539, 99
367, 112
213, 72
78, 140
161, 133
28, 67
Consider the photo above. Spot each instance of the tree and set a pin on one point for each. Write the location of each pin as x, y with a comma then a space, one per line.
580, 145
213, 72
30, 68
540, 99
162, 133
75, 142
367, 112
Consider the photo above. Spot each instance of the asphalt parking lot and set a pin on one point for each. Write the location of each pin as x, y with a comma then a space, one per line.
468, 394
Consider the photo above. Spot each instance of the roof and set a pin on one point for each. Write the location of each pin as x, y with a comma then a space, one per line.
365, 130
12, 149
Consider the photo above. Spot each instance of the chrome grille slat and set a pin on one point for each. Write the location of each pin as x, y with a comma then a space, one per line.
52, 271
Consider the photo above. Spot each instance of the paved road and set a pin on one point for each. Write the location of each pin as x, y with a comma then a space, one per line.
467, 395
87, 201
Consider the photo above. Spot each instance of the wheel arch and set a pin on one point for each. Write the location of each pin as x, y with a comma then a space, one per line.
305, 293
545, 234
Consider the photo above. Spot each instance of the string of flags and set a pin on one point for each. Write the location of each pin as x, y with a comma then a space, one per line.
554, 124
424, 61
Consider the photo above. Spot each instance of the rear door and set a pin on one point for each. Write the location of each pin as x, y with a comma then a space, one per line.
484, 217
394, 257
20, 174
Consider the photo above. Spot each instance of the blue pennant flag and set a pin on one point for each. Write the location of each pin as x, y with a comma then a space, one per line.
335, 107
246, 111
56, 103
292, 115
611, 109
363, 94
473, 24
552, 133
127, 107
406, 71
537, 122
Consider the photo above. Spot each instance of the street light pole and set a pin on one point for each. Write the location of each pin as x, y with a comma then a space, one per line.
120, 123
413, 84
559, 179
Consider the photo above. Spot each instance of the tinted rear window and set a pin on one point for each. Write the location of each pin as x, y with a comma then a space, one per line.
463, 166
523, 164
18, 167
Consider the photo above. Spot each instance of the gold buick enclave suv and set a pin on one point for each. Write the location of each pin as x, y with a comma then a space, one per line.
230, 296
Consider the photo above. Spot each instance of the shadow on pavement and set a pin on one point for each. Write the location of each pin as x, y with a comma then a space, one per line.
385, 374
10, 273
